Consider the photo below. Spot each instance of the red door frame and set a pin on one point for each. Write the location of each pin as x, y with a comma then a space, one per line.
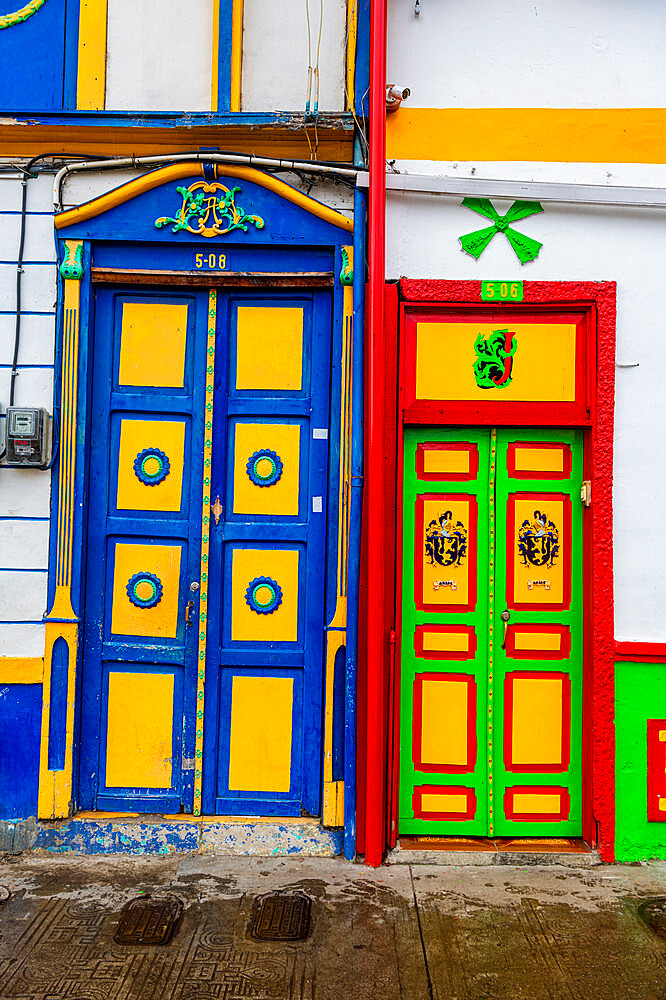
378, 804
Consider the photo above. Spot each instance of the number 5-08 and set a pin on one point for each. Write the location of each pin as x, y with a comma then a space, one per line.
211, 260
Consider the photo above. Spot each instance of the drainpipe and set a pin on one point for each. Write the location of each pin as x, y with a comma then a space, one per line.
355, 513
374, 485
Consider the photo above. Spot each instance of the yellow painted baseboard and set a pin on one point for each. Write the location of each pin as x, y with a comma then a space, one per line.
21, 669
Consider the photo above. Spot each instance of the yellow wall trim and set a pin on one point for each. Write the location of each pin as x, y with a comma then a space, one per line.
21, 669
91, 209
236, 55
579, 135
91, 76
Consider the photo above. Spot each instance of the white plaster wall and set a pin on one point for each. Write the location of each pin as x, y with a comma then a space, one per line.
159, 55
25, 495
581, 243
275, 54
82, 187
529, 53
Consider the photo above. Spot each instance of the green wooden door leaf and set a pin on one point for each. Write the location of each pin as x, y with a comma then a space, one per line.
492, 633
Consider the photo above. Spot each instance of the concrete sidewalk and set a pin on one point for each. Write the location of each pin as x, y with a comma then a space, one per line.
401, 932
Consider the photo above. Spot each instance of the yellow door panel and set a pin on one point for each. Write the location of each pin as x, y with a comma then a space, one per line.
148, 481
280, 470
152, 347
143, 613
279, 567
139, 730
260, 741
269, 347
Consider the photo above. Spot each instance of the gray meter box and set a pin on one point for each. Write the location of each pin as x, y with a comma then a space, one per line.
28, 437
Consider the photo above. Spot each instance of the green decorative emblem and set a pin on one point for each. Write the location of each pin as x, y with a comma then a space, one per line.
347, 272
9, 20
494, 359
209, 210
71, 267
526, 249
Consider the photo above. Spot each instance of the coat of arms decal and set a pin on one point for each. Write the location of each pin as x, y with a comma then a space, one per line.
538, 540
494, 359
446, 542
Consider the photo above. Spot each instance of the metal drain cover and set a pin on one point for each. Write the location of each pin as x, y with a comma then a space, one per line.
149, 920
653, 912
281, 916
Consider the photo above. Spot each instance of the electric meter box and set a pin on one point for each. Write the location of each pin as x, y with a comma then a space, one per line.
28, 437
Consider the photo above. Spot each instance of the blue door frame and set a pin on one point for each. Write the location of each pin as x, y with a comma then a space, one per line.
304, 532
118, 231
107, 651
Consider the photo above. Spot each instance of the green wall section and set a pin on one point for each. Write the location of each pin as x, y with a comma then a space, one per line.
640, 694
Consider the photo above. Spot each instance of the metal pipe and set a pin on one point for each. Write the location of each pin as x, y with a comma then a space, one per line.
355, 516
324, 169
376, 649
553, 191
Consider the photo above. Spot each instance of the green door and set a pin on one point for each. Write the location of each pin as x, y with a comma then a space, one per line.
492, 633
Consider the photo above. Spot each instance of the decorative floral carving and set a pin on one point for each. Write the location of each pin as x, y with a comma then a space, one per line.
263, 595
264, 467
151, 466
209, 210
9, 20
144, 590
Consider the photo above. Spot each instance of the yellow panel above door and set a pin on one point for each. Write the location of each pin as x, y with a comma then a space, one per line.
543, 369
269, 347
152, 347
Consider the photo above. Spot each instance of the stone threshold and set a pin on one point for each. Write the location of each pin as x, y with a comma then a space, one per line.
569, 851
118, 833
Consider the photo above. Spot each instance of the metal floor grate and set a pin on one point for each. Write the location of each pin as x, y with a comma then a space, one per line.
653, 912
149, 920
281, 917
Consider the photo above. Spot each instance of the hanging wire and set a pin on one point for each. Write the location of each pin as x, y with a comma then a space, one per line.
308, 96
316, 78
359, 123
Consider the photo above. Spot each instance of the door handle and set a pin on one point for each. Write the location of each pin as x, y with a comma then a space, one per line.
188, 612
505, 616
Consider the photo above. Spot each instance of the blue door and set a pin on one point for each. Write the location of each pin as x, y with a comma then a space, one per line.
204, 624
144, 525
262, 750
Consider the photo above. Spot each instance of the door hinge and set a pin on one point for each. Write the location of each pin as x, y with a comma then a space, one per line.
216, 510
586, 493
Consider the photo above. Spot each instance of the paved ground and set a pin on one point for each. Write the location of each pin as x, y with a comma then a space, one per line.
398, 933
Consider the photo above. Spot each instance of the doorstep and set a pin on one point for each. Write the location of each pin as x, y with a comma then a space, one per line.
569, 851
125, 833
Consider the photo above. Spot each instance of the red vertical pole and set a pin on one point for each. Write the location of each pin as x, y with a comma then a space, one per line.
374, 476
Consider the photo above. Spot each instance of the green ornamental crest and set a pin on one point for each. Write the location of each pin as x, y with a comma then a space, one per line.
494, 359
209, 210
524, 247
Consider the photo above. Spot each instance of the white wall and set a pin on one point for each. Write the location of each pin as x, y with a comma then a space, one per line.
25, 494
275, 54
159, 55
529, 53
590, 244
